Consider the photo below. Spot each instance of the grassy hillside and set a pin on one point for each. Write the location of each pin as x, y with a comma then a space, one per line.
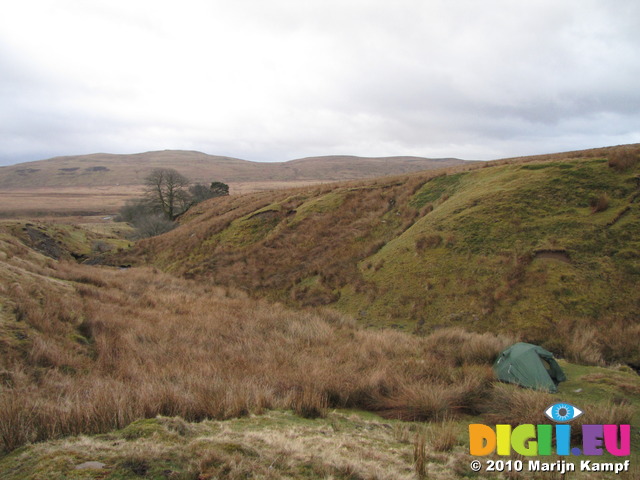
65, 241
158, 377
103, 169
546, 247
89, 349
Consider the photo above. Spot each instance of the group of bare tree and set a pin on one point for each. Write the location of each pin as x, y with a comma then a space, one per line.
168, 194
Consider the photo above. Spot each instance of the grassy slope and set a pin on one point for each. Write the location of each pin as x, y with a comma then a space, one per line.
28, 251
66, 241
515, 247
483, 259
64, 328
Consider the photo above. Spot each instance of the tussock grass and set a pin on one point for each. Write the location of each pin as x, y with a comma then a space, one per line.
466, 347
104, 347
600, 203
508, 404
512, 405
584, 346
420, 460
308, 403
624, 158
443, 436
438, 399
608, 413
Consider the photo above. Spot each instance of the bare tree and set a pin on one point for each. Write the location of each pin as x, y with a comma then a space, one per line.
166, 190
152, 225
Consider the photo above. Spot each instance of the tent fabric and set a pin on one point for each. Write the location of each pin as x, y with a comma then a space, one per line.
530, 366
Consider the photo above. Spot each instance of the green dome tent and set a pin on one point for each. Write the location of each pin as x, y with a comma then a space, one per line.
529, 366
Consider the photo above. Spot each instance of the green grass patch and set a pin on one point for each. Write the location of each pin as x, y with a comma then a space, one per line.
251, 228
434, 189
329, 202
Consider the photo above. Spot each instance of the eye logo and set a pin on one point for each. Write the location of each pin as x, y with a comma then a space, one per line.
563, 412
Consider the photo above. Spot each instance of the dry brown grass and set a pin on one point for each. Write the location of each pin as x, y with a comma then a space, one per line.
465, 347
624, 157
102, 347
609, 413
583, 345
623, 344
83, 201
443, 436
326, 245
513, 405
420, 460
612, 339
508, 404
600, 203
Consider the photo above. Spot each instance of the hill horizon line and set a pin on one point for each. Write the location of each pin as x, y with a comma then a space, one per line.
104, 169
179, 151
305, 158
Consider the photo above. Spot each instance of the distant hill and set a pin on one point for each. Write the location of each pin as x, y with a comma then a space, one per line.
546, 247
102, 169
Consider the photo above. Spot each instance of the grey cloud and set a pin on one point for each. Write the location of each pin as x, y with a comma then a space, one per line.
283, 79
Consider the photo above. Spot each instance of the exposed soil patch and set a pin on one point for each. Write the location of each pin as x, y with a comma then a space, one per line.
559, 255
43, 243
27, 171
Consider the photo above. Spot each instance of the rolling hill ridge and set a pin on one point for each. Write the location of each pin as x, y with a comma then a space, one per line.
103, 169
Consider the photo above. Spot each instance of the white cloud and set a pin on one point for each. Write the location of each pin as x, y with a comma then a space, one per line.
283, 79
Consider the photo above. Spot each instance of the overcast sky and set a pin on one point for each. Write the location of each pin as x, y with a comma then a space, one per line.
273, 80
